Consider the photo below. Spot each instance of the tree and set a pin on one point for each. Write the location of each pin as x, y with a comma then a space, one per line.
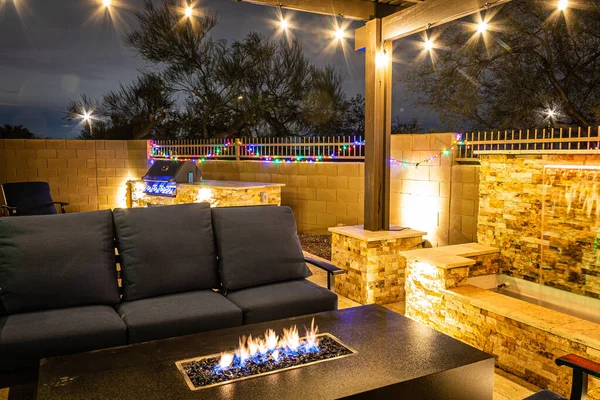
253, 87
533, 59
136, 111
354, 121
401, 127
16, 132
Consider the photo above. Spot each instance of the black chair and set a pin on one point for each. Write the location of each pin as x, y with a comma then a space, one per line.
581, 369
29, 198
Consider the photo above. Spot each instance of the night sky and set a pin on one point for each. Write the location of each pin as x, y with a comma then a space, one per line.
54, 50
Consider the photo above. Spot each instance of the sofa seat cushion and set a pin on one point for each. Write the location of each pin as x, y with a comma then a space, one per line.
178, 315
257, 246
57, 261
166, 250
283, 300
26, 338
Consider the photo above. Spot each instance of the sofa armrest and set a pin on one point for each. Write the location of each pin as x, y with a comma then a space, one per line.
581, 369
62, 205
331, 269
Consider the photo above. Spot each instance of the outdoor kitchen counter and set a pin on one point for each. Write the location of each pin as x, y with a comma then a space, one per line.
232, 184
217, 193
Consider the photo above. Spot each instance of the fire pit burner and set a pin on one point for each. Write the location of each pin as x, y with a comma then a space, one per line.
259, 357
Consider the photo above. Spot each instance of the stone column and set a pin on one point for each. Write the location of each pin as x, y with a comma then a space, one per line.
375, 268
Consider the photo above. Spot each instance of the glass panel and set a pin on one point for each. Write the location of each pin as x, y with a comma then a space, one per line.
570, 256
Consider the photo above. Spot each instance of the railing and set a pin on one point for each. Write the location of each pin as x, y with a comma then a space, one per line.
534, 141
350, 148
468, 147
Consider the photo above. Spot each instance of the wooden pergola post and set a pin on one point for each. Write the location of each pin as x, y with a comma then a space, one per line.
378, 126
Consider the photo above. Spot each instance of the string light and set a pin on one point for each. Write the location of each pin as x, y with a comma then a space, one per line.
428, 44
189, 11
445, 152
381, 59
482, 27
340, 34
284, 24
563, 5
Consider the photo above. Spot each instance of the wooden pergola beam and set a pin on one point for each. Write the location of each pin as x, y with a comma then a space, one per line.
422, 16
351, 9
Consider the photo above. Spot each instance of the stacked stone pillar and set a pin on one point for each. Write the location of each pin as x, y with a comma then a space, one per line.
375, 268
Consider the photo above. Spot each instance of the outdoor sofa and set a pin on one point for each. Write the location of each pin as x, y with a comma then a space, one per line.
184, 269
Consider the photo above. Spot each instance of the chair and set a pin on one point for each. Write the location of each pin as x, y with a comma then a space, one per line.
29, 198
581, 369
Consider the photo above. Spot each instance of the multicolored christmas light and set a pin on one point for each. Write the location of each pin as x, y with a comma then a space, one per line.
252, 153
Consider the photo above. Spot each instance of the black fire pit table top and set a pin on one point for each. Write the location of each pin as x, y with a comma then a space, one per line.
396, 358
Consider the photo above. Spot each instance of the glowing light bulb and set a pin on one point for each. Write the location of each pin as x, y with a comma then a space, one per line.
482, 27
106, 3
87, 116
381, 59
284, 24
551, 113
340, 34
428, 44
563, 5
189, 12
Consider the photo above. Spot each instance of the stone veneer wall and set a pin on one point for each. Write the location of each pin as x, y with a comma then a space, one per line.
374, 269
89, 174
510, 217
439, 197
440, 298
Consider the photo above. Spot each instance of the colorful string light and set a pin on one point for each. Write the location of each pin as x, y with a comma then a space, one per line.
345, 148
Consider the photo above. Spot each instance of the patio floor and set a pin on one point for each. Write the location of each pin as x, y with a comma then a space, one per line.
506, 386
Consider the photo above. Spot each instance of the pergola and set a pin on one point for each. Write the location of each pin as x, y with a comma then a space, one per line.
387, 20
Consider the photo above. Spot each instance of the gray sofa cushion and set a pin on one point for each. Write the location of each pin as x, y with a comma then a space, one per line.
26, 338
166, 250
283, 300
257, 245
57, 261
178, 314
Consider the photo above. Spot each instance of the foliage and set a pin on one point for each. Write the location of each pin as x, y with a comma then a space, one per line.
16, 132
133, 112
205, 88
534, 58
354, 121
400, 127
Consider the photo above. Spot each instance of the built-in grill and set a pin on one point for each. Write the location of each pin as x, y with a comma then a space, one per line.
164, 175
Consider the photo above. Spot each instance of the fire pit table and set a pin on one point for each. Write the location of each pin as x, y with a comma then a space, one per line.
379, 354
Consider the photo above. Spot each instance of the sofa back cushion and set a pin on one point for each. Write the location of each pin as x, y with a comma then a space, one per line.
57, 261
257, 246
166, 250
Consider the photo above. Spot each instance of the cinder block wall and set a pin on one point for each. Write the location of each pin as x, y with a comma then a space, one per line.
437, 197
90, 175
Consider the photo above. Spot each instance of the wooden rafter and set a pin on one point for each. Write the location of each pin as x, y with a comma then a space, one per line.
425, 15
351, 9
